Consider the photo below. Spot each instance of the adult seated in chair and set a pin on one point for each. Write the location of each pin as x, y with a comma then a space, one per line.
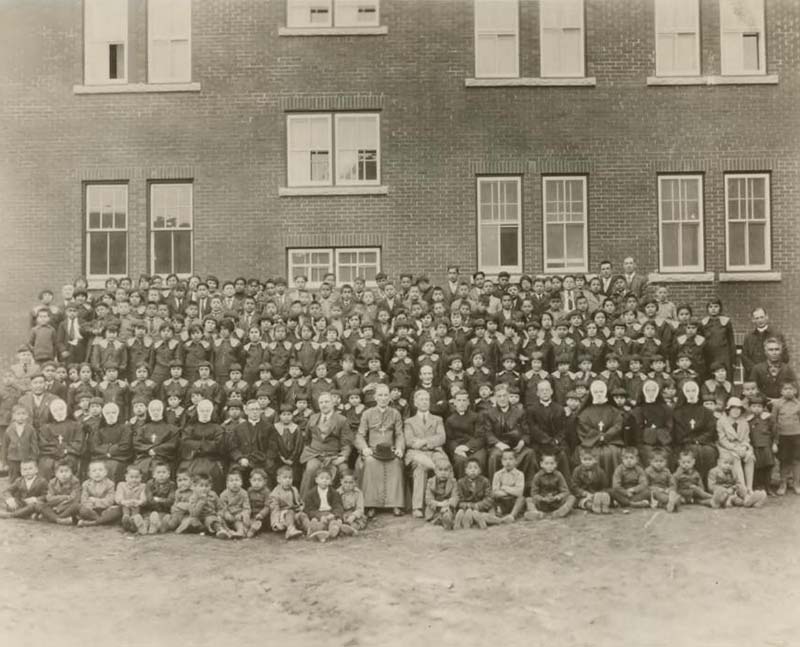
425, 437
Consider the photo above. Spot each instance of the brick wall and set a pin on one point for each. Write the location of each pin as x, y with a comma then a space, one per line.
436, 136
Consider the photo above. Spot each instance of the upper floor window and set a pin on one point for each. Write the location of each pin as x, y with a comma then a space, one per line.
325, 149
562, 38
499, 224
747, 217
742, 37
346, 264
105, 33
496, 38
680, 217
332, 13
169, 34
106, 228
677, 37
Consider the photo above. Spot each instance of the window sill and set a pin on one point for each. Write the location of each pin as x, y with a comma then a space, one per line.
136, 88
99, 282
515, 82
746, 277
754, 79
333, 31
681, 277
332, 190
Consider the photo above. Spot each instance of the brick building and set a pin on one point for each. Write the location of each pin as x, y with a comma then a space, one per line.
251, 137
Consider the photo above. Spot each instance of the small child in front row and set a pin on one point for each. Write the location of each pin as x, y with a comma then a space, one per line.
588, 484
322, 510
661, 482
234, 508
786, 416
203, 507
179, 510
727, 491
549, 492
285, 504
159, 499
688, 482
63, 496
508, 485
629, 483
354, 518
258, 493
441, 495
130, 496
26, 493
474, 498
98, 506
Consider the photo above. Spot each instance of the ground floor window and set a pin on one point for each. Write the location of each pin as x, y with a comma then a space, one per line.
171, 228
106, 228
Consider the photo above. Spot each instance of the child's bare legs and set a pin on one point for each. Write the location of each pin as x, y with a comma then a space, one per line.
695, 494
61, 514
189, 522
133, 521
601, 503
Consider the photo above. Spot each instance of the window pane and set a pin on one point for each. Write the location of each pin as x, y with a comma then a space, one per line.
506, 52
508, 246
369, 272
94, 219
685, 53
669, 244
490, 246
758, 244
183, 252
571, 51
98, 253
162, 252
750, 53
118, 253
691, 247
319, 166
736, 241
574, 241
317, 274
555, 242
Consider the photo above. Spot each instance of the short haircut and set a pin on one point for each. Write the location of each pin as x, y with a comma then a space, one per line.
630, 451
285, 469
475, 461
202, 477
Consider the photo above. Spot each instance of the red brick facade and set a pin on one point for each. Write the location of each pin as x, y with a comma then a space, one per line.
436, 136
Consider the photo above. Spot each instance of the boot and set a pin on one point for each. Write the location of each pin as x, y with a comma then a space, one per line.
605, 502
140, 524
672, 502
155, 523
458, 524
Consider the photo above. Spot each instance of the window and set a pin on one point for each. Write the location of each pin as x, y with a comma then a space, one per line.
496, 38
332, 13
680, 216
171, 228
743, 47
169, 33
105, 32
677, 38
345, 263
310, 147
499, 224
564, 201
561, 23
106, 230
356, 149
747, 218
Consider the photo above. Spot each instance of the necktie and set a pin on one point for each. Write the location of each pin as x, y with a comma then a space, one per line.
425, 419
71, 330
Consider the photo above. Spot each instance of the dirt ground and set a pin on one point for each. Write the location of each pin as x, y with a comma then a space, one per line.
699, 577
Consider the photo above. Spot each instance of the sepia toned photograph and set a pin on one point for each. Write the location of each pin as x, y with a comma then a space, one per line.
385, 323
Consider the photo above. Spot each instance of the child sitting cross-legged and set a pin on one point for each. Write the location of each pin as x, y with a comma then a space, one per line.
322, 510
354, 518
203, 507
441, 495
234, 507
130, 497
63, 496
688, 481
629, 483
508, 484
474, 498
26, 493
97, 498
160, 496
259, 501
549, 492
660, 482
588, 484
285, 505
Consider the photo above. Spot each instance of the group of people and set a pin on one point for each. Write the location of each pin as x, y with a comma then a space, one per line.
232, 407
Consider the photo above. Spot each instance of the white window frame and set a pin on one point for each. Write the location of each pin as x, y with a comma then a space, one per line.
327, 117
153, 229
700, 267
92, 42
155, 73
544, 5
339, 117
660, 31
334, 8
332, 121
341, 250
333, 262
767, 265
494, 269
478, 32
574, 268
733, 68
96, 278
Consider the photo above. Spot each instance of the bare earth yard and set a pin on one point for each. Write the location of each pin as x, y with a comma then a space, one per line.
699, 577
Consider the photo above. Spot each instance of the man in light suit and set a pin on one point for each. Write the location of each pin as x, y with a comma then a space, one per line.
634, 283
425, 437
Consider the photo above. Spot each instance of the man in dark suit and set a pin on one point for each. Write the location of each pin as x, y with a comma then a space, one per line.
635, 283
328, 445
606, 278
